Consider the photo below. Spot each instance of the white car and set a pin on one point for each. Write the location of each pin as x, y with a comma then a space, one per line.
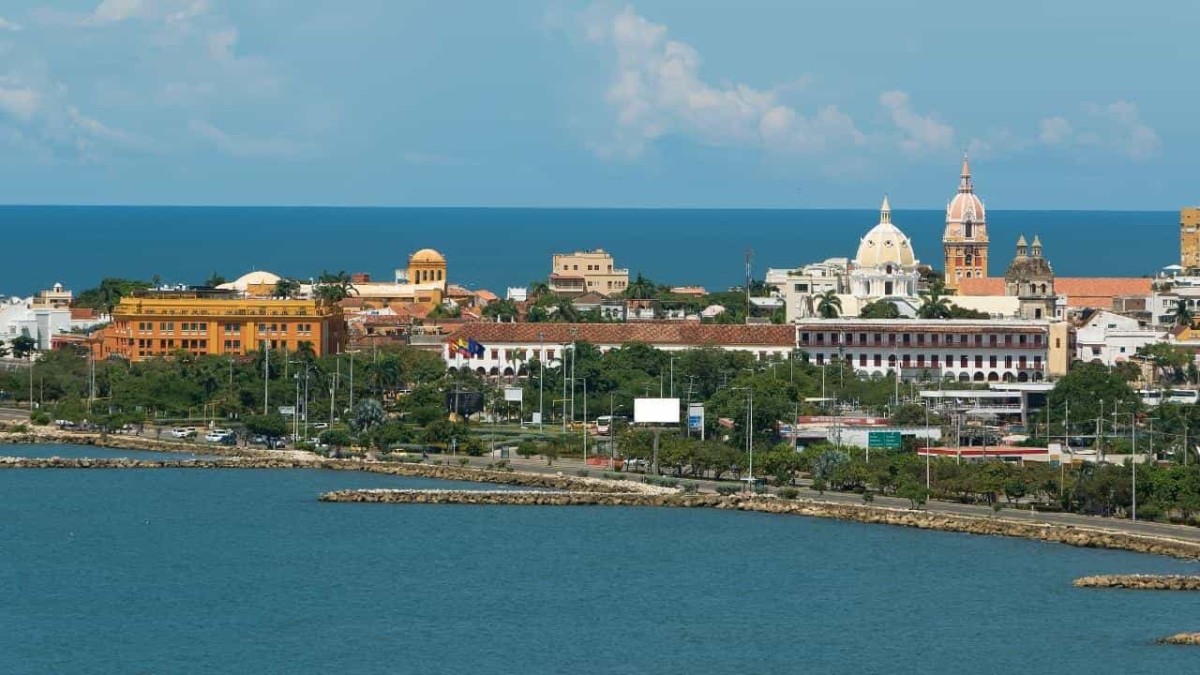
216, 435
183, 432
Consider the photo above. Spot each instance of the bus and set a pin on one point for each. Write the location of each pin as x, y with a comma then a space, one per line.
1150, 397
1186, 396
603, 425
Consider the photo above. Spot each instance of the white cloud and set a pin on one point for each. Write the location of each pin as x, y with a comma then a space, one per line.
922, 133
19, 101
5, 24
222, 43
113, 11
1054, 131
247, 146
1115, 127
657, 90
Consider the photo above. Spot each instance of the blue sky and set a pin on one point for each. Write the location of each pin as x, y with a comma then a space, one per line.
1068, 104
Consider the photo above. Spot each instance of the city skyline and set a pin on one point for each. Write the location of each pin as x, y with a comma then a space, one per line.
547, 104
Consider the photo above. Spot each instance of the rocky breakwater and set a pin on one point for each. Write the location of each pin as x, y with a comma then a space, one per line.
1074, 536
1148, 582
127, 463
1180, 639
36, 434
555, 481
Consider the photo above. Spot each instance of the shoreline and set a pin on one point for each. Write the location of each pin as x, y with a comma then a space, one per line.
924, 520
575, 490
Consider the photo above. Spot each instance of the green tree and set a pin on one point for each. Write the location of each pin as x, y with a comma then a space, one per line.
23, 346
444, 310
957, 312
934, 305
366, 416
286, 289
916, 493
334, 287
4, 351
829, 305
504, 310
1181, 315
880, 309
641, 288
214, 280
270, 426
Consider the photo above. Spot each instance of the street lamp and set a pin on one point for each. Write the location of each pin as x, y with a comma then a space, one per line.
541, 377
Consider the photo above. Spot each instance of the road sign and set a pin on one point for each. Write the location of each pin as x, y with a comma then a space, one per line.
883, 439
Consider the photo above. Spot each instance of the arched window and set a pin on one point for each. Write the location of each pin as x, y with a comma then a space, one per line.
968, 229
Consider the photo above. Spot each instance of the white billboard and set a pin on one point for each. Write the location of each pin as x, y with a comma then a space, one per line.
656, 410
514, 394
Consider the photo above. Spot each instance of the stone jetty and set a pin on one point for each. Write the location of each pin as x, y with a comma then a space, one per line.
1149, 582
1180, 639
925, 520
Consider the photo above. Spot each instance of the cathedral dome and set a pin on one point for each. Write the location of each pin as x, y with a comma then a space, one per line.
427, 256
966, 207
885, 244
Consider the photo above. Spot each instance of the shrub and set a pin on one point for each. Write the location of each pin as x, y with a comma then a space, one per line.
789, 493
582, 473
690, 487
868, 496
726, 490
41, 418
463, 461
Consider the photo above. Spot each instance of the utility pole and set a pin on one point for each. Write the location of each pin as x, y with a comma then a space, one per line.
541, 376
585, 422
266, 375
352, 383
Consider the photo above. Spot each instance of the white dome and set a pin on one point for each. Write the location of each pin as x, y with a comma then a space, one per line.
885, 244
256, 278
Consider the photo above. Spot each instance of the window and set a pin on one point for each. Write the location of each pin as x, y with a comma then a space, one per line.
862, 359
878, 360
820, 359
991, 361
933, 360
979, 360
962, 361
1021, 362
920, 360
1008, 361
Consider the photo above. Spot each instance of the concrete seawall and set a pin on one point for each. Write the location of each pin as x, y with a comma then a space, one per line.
1181, 639
1149, 582
1074, 536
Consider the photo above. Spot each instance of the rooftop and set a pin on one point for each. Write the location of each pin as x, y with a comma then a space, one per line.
654, 333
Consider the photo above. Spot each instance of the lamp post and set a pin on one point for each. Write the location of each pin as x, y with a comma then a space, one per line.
541, 376
585, 422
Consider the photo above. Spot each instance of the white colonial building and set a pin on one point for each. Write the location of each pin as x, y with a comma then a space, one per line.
963, 350
1110, 338
885, 265
799, 288
507, 348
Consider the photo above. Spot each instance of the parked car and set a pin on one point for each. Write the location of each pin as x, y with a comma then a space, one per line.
321, 425
183, 432
215, 435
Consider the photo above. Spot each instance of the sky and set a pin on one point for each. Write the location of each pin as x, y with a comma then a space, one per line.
1072, 104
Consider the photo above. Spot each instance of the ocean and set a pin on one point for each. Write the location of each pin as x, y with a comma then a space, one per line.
497, 248
223, 571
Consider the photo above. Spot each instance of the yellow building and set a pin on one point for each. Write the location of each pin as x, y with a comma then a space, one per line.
426, 266
965, 241
160, 323
1189, 237
586, 271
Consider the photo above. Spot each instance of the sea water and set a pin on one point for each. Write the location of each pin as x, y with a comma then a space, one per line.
243, 571
497, 248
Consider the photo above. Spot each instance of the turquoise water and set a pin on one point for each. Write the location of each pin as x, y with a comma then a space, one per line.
191, 571
495, 248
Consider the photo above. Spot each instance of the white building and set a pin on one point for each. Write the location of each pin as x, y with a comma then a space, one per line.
799, 287
885, 265
507, 347
42, 316
1109, 338
963, 350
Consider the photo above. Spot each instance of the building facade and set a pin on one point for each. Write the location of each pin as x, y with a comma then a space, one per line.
965, 241
1109, 338
508, 347
885, 265
798, 288
426, 266
207, 322
586, 271
1189, 238
959, 349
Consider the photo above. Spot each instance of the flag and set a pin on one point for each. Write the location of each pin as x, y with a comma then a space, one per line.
475, 348
461, 346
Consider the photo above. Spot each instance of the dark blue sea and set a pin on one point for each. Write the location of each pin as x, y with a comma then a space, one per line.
222, 571
495, 248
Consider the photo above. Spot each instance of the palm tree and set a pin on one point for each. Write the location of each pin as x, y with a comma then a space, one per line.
23, 346
641, 288
334, 287
286, 289
565, 311
306, 352
214, 280
501, 310
829, 306
1181, 315
934, 305
538, 288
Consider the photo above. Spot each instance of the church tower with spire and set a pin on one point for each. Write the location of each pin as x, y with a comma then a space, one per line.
965, 241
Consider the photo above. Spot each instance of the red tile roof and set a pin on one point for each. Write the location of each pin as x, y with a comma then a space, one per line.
82, 313
654, 333
1081, 292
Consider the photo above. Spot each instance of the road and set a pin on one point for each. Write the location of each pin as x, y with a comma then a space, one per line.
13, 415
1183, 532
